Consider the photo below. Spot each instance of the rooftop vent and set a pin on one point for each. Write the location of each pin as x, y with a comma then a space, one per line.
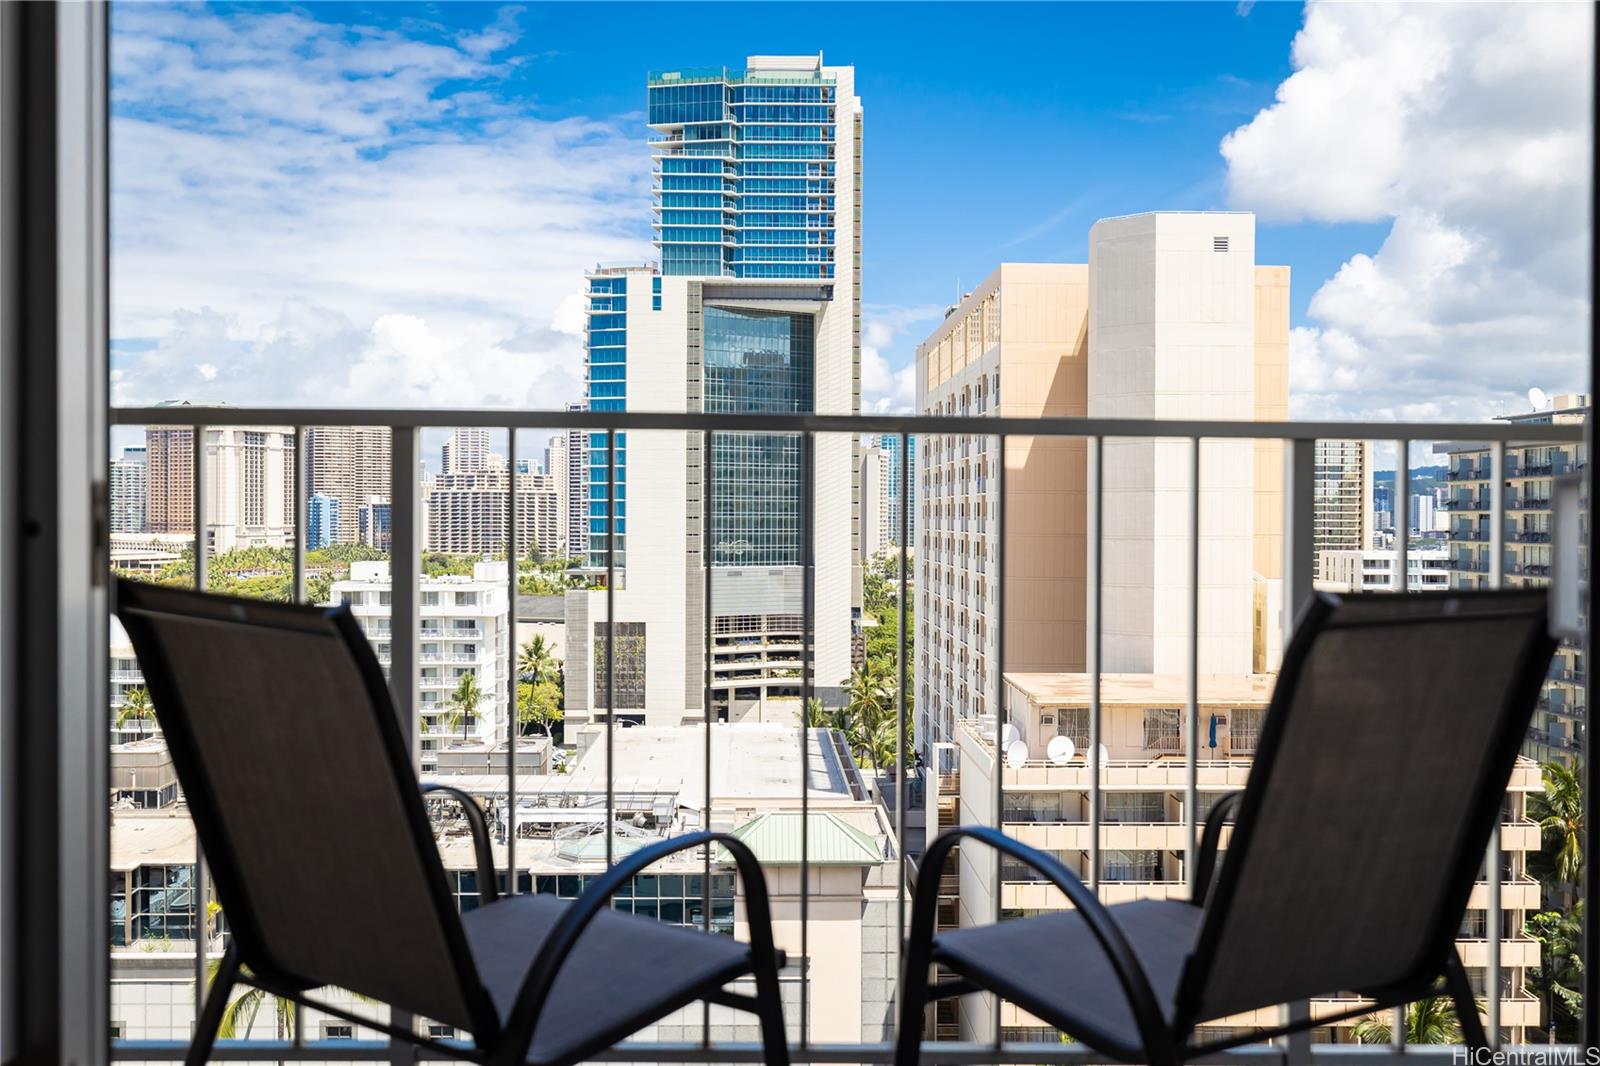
1219, 244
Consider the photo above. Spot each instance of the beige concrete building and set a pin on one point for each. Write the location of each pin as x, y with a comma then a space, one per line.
351, 464
466, 513
1171, 318
1143, 825
1342, 519
169, 458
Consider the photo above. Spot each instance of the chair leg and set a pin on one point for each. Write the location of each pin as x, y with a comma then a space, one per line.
1455, 980
205, 1029
913, 994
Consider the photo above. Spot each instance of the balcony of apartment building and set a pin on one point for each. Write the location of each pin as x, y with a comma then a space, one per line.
112, 926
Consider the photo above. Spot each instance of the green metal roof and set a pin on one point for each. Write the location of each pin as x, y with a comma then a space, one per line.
830, 841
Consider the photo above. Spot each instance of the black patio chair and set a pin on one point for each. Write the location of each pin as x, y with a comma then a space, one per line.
1377, 782
286, 743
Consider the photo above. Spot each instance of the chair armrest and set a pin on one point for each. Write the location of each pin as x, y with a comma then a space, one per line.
478, 825
1210, 841
518, 1034
1135, 983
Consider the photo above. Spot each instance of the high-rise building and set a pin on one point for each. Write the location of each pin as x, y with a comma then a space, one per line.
373, 523
467, 513
1421, 513
1560, 719
249, 488
555, 468
577, 494
1171, 318
322, 520
466, 451
1373, 570
754, 309
129, 482
890, 443
1342, 502
169, 485
350, 463
874, 538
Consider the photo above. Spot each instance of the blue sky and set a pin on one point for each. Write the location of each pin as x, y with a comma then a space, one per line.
394, 204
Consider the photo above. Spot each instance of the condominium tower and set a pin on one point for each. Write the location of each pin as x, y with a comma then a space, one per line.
467, 512
754, 308
1342, 518
1170, 318
128, 485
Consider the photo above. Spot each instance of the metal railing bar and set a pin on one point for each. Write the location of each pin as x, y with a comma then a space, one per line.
943, 1053
707, 471
1001, 532
1494, 920
1191, 711
599, 421
301, 516
513, 712
611, 647
1096, 606
1401, 498
902, 682
405, 613
808, 488
198, 498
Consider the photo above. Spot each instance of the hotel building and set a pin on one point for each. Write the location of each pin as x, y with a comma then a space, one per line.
1170, 318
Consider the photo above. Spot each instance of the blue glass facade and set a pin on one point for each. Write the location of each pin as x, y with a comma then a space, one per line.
745, 173
607, 343
757, 361
322, 520
890, 442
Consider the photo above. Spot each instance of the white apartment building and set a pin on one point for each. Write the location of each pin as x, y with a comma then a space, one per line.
576, 454
128, 486
466, 512
465, 628
556, 469
465, 452
1171, 318
1428, 569
755, 308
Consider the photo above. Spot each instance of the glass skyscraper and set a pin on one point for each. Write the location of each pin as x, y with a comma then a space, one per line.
745, 172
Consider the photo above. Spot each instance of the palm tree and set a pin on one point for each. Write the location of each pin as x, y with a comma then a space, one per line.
136, 707
1559, 812
535, 659
240, 1014
1560, 973
1428, 1021
464, 702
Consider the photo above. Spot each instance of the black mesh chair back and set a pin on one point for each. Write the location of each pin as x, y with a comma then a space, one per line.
285, 741
1378, 779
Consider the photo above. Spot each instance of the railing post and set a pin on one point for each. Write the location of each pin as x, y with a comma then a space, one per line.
513, 712
1299, 551
1001, 532
1191, 723
1092, 760
1400, 581
1493, 919
808, 606
198, 502
405, 609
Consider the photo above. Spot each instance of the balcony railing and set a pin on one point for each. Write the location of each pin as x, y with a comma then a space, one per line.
1186, 765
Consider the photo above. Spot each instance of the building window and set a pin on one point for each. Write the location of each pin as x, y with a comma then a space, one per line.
630, 638
338, 1031
1140, 807
1219, 244
1161, 729
441, 1032
1132, 865
1073, 723
1244, 729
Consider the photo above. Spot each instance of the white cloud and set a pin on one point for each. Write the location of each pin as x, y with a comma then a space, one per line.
1467, 128
886, 388
314, 213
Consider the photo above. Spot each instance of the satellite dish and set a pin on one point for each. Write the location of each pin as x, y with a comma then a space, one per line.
1061, 750
1009, 735
1099, 756
1538, 399
1016, 754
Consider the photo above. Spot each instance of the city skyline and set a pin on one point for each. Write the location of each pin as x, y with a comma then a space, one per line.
1384, 271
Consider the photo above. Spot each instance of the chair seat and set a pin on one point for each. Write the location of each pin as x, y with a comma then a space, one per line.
1053, 966
624, 973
